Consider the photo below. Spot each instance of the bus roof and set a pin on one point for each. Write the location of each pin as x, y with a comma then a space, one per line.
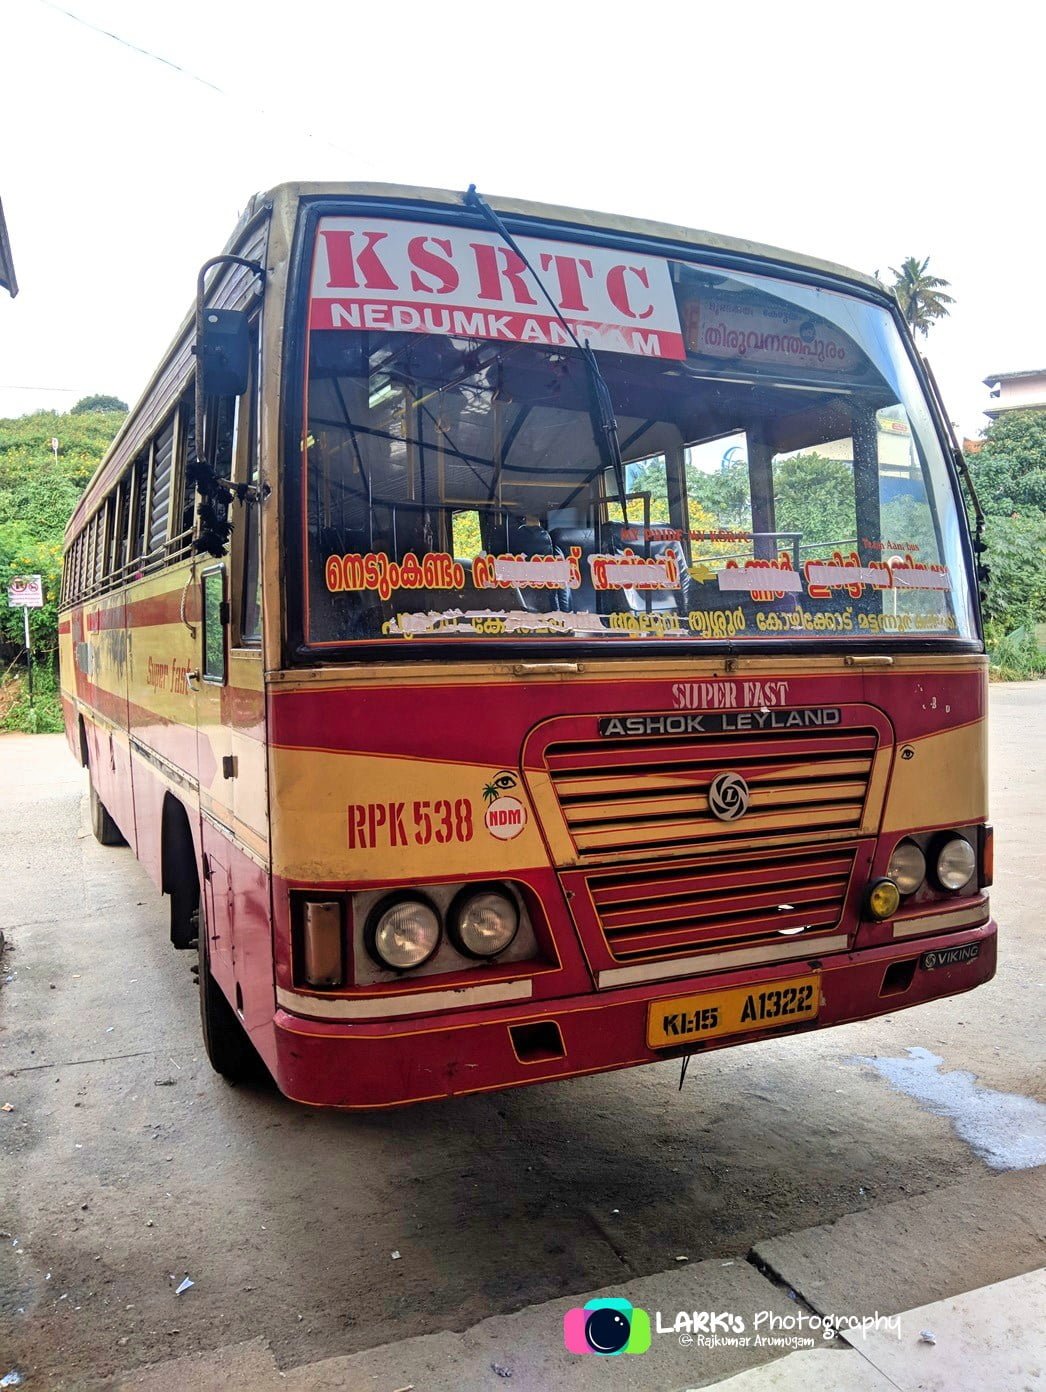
577, 217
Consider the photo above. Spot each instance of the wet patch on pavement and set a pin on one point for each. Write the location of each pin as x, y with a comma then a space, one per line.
1006, 1130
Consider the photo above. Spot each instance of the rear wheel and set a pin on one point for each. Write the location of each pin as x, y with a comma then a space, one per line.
224, 1037
106, 832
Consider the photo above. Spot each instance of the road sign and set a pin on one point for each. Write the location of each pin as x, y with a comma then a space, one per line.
26, 592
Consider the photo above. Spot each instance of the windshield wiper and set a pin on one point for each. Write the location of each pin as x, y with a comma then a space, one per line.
606, 420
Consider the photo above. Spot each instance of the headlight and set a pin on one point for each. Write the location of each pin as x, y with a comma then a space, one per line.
956, 862
907, 867
403, 932
883, 899
483, 921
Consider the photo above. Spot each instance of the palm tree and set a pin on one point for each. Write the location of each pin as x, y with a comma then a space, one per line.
921, 296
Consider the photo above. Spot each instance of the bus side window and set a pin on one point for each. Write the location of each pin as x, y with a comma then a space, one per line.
139, 490
251, 602
160, 498
215, 614
92, 535
815, 499
719, 494
74, 569
103, 523
118, 546
185, 506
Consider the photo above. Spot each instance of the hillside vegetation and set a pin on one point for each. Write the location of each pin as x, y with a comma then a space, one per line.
38, 490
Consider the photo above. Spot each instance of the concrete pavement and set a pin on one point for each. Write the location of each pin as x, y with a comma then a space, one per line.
869, 1268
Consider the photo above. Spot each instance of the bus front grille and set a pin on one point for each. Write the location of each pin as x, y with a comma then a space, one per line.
746, 901
643, 797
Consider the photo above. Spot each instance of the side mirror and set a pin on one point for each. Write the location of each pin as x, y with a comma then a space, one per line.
223, 352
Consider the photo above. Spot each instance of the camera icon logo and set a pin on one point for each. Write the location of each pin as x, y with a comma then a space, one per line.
606, 1327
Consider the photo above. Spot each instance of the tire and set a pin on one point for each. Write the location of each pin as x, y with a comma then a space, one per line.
229, 1050
106, 832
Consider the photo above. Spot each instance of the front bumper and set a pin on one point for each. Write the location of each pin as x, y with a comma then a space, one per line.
394, 1063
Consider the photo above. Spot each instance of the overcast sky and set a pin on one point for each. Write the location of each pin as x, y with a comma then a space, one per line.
862, 133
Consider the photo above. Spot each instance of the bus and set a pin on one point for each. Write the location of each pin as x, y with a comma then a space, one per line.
524, 642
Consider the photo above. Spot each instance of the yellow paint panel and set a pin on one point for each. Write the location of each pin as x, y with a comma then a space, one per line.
367, 818
945, 780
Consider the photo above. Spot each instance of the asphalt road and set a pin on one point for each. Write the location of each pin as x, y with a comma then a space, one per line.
126, 1164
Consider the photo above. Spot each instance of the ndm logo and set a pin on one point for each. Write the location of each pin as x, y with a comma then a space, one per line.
607, 1327
505, 816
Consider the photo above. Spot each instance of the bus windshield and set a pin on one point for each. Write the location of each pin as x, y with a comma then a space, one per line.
783, 477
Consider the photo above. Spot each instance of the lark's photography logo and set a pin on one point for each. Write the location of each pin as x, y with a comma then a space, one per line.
607, 1327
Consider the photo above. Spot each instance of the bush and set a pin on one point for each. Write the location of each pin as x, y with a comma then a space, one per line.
1015, 656
44, 716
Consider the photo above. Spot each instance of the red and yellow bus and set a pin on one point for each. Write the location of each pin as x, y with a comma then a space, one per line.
525, 642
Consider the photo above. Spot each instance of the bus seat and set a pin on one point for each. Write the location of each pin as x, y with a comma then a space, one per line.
612, 543
530, 540
663, 601
585, 598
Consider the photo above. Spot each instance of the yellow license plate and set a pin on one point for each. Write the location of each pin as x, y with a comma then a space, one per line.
767, 1005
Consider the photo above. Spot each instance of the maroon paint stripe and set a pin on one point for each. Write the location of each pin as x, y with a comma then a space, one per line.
144, 613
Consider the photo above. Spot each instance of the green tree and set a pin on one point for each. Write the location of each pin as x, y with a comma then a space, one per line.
814, 495
1009, 470
646, 476
921, 295
1016, 557
725, 494
97, 403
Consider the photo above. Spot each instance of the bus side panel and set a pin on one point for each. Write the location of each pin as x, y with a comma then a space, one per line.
249, 852
94, 677
110, 772
65, 681
252, 942
234, 828
161, 708
236, 898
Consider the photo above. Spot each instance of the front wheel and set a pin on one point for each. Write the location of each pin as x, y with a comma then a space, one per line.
230, 1051
106, 832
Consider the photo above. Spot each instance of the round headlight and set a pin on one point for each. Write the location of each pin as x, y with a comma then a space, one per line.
956, 862
907, 867
403, 932
883, 899
483, 921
